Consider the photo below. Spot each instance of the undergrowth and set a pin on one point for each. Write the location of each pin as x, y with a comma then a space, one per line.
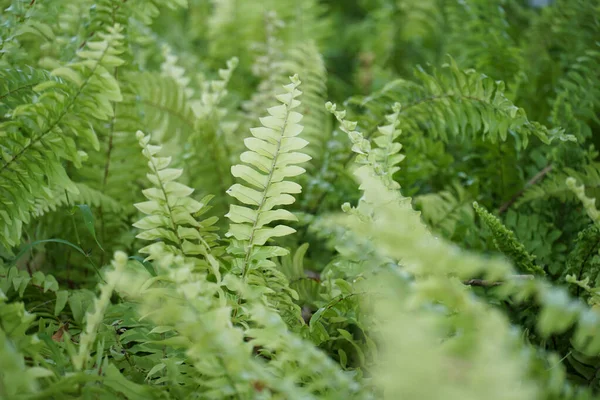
232, 199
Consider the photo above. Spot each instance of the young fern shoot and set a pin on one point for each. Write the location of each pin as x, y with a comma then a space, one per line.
272, 157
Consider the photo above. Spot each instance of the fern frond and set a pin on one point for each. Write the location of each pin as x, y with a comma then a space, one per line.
212, 140
446, 210
555, 186
170, 212
164, 106
308, 62
506, 243
17, 379
386, 156
577, 100
85, 195
40, 135
589, 204
465, 102
272, 157
479, 37
273, 151
17, 87
583, 261
94, 318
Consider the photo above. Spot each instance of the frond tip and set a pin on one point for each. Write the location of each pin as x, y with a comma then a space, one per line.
273, 153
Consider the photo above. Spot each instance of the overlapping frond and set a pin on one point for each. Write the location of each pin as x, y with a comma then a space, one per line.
40, 135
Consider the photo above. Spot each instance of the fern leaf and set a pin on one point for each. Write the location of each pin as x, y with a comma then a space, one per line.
40, 135
588, 203
17, 87
465, 102
272, 157
505, 242
170, 211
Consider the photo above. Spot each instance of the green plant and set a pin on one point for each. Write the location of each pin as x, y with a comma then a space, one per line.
185, 215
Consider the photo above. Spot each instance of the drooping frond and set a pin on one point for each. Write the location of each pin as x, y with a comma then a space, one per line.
40, 135
84, 195
164, 107
466, 103
555, 186
448, 210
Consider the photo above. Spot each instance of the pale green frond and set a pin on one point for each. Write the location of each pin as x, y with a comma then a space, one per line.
170, 221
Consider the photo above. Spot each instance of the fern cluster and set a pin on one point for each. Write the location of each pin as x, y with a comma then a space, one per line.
299, 199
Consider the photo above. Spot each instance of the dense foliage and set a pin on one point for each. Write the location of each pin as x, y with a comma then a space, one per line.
299, 199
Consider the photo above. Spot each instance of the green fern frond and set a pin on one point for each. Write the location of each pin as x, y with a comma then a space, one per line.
479, 37
577, 100
212, 140
116, 169
446, 210
583, 260
17, 87
589, 204
164, 106
85, 195
506, 243
308, 62
465, 102
17, 378
40, 135
383, 158
170, 214
555, 186
95, 318
273, 151
272, 157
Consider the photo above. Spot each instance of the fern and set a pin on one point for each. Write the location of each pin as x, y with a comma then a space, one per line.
39, 135
466, 102
170, 212
576, 103
447, 211
506, 242
272, 157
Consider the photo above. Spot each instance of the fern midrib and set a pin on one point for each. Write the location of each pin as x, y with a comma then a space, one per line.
264, 197
61, 116
164, 192
18, 89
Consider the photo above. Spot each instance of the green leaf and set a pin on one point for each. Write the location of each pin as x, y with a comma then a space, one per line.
61, 300
88, 220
